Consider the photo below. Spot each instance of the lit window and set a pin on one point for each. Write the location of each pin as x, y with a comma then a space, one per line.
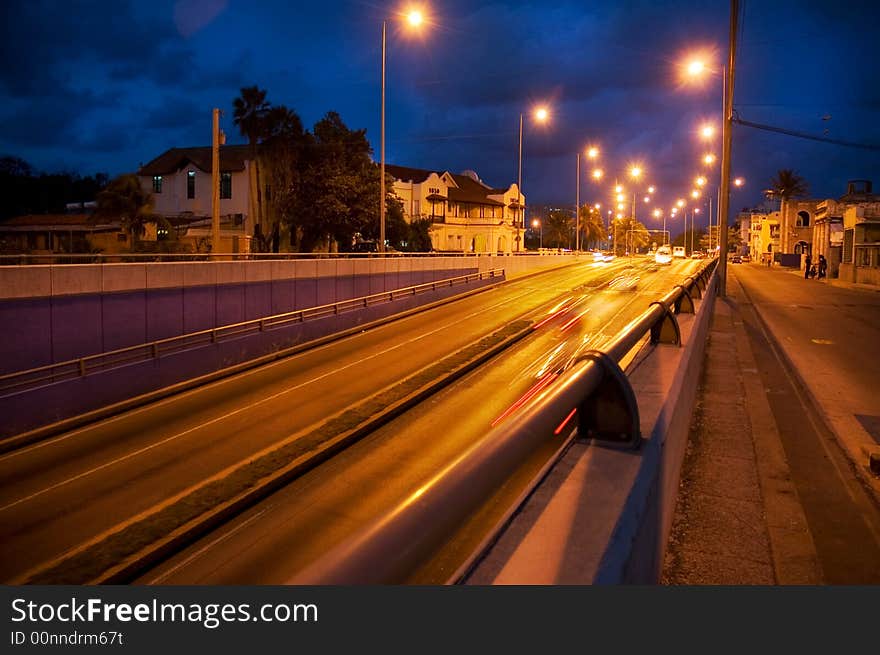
191, 185
157, 184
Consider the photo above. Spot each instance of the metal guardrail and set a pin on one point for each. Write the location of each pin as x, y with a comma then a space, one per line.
75, 368
138, 258
593, 394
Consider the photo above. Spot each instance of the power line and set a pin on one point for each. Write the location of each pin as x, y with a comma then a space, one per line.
804, 135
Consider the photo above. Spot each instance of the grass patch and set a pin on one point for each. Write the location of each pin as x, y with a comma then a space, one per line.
87, 564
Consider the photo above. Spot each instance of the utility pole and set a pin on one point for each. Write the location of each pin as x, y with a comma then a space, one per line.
577, 205
724, 201
215, 184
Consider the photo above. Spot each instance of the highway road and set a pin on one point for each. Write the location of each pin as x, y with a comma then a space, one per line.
275, 539
62, 492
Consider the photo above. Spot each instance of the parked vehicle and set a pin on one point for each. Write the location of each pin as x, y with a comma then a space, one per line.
678, 251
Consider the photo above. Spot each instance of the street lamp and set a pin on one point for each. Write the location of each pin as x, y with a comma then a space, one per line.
541, 115
537, 223
414, 18
696, 68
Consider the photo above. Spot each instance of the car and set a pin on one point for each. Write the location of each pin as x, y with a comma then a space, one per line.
678, 251
736, 259
373, 248
746, 258
698, 254
663, 255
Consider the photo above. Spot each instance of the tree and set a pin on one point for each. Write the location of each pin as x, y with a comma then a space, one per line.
591, 225
249, 114
558, 229
786, 185
126, 200
630, 235
339, 185
284, 142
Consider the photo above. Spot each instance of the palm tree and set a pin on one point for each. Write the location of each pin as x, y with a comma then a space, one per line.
591, 225
786, 185
558, 228
125, 199
249, 114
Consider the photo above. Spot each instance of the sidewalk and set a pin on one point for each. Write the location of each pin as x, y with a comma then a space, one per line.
775, 487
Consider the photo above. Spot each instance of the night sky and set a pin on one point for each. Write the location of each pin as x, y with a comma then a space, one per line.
94, 87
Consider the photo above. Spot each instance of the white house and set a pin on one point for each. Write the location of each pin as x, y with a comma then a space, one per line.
466, 214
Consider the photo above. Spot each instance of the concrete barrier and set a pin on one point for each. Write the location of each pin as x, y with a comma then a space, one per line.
30, 409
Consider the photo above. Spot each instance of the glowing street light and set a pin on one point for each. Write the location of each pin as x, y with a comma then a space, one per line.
537, 223
739, 181
618, 188
415, 20
541, 114
651, 189
592, 152
635, 172
598, 173
709, 159
700, 181
707, 131
695, 194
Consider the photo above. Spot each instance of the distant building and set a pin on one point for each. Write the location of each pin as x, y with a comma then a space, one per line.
180, 181
466, 214
860, 244
47, 234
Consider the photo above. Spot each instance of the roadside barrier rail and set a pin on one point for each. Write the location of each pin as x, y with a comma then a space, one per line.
139, 258
82, 366
593, 395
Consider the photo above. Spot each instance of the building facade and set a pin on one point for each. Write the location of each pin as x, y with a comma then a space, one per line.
466, 214
180, 181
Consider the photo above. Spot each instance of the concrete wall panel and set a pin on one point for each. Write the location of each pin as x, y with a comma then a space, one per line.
25, 334
76, 279
124, 318
257, 300
199, 308
76, 327
123, 277
164, 313
305, 293
25, 281
230, 304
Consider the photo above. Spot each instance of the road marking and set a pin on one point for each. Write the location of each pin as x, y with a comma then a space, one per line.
209, 546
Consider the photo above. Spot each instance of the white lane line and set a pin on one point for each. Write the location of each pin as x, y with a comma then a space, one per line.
240, 526
223, 417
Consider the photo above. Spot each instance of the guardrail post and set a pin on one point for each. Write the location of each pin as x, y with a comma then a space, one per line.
684, 303
696, 288
666, 329
610, 415
82, 367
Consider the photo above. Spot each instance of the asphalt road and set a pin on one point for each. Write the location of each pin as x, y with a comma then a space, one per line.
276, 538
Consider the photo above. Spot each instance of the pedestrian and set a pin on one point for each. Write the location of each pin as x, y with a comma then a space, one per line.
808, 267
823, 266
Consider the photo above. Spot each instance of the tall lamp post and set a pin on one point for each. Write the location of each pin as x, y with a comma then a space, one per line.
415, 19
541, 114
728, 75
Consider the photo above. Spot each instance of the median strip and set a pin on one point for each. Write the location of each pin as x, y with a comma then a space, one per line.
125, 550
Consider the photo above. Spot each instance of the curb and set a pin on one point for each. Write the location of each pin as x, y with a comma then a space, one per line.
124, 571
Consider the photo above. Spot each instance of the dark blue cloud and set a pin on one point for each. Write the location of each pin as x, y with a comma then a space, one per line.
105, 86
